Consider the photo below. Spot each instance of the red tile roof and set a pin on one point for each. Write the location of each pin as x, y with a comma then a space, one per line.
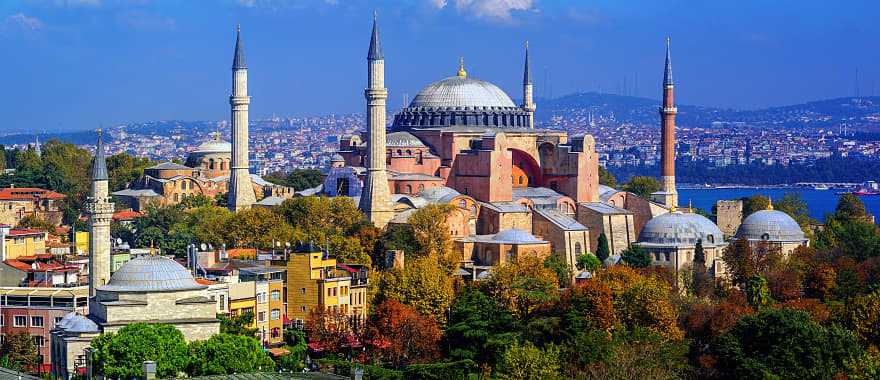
17, 264
28, 194
203, 281
127, 215
25, 232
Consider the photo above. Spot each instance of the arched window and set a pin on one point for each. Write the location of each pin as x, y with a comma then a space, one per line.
473, 210
409, 189
711, 239
462, 204
419, 158
421, 187
222, 164
577, 248
408, 152
211, 164
521, 179
399, 152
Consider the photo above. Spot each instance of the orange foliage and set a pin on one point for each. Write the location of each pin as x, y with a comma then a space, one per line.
820, 282
784, 285
594, 300
642, 301
331, 330
817, 310
400, 335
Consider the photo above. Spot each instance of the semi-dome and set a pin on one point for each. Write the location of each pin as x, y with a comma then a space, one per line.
403, 140
149, 273
461, 91
770, 225
681, 229
516, 236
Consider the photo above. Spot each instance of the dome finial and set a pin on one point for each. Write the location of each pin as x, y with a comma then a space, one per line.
673, 208
769, 203
461, 72
690, 206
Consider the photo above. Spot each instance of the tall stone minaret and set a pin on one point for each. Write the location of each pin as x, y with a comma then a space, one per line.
669, 195
100, 211
241, 192
376, 197
528, 90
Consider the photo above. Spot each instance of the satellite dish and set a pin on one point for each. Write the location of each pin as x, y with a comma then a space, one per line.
204, 247
211, 247
118, 241
287, 244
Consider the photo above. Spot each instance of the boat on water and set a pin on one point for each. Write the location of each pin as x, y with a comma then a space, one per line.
820, 187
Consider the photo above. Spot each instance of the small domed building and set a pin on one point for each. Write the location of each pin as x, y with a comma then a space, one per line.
671, 240
772, 227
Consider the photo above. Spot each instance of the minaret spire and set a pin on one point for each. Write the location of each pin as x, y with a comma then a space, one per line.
461, 71
668, 196
241, 192
376, 197
99, 208
528, 89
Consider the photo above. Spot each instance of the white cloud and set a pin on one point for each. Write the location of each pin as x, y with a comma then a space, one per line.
492, 9
23, 21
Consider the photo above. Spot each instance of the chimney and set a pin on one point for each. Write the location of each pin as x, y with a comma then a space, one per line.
149, 370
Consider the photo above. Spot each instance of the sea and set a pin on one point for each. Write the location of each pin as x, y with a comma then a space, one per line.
819, 202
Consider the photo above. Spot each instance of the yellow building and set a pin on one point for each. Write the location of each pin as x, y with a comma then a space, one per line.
269, 310
242, 299
22, 242
81, 242
315, 280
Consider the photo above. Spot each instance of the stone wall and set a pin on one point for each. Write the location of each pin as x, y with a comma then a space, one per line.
729, 216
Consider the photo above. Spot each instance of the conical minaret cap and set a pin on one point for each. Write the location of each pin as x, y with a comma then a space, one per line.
667, 74
99, 167
375, 53
238, 61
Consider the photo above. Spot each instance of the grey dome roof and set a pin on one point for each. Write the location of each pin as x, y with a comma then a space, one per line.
214, 146
771, 225
680, 229
81, 324
66, 320
461, 92
337, 157
516, 236
439, 194
151, 273
403, 140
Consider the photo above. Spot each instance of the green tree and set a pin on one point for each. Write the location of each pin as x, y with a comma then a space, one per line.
122, 354
424, 283
295, 343
258, 227
237, 324
336, 221
850, 207
784, 343
523, 285
602, 250
606, 178
754, 203
430, 229
642, 186
636, 257
795, 206
124, 169
210, 224
640, 354
561, 268
298, 179
588, 262
702, 282
18, 352
35, 222
757, 292
479, 328
196, 201
525, 362
224, 354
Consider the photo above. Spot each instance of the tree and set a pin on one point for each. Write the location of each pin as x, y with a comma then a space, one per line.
863, 317
754, 203
642, 186
561, 268
784, 343
196, 201
430, 229
795, 206
323, 220
479, 328
757, 292
602, 250
524, 362
588, 262
701, 283
821, 282
401, 335
606, 178
640, 354
123, 169
424, 283
641, 301
850, 207
298, 179
237, 324
636, 257
330, 329
258, 227
228, 354
18, 351
210, 224
523, 284
35, 222
589, 306
742, 262
122, 354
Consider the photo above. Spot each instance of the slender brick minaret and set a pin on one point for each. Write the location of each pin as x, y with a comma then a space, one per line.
241, 192
528, 90
100, 211
376, 197
668, 196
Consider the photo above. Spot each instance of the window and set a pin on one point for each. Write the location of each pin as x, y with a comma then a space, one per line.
39, 341
577, 248
276, 314
276, 295
302, 291
261, 297
666, 254
20, 321
57, 320
222, 302
302, 309
261, 316
2, 320
36, 321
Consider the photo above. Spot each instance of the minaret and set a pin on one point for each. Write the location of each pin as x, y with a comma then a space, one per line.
528, 90
668, 196
37, 148
376, 197
241, 192
100, 211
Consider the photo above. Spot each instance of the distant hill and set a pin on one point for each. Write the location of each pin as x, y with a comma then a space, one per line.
78, 138
858, 112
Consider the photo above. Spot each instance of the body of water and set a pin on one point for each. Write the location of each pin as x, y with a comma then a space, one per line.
820, 202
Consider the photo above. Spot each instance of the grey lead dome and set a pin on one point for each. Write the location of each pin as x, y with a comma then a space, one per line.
770, 225
680, 229
151, 274
461, 92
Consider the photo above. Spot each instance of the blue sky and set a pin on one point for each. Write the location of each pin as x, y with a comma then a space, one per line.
75, 64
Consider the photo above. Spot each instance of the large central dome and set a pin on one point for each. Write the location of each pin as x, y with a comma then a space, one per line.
461, 91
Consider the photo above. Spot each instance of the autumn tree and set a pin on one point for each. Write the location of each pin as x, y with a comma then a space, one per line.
36, 222
18, 352
401, 335
424, 283
430, 229
258, 227
742, 262
821, 282
589, 306
863, 317
523, 284
602, 250
525, 362
331, 330
642, 301
642, 186
122, 354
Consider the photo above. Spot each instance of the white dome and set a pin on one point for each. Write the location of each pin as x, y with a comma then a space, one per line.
214, 146
461, 92
770, 225
681, 229
151, 273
